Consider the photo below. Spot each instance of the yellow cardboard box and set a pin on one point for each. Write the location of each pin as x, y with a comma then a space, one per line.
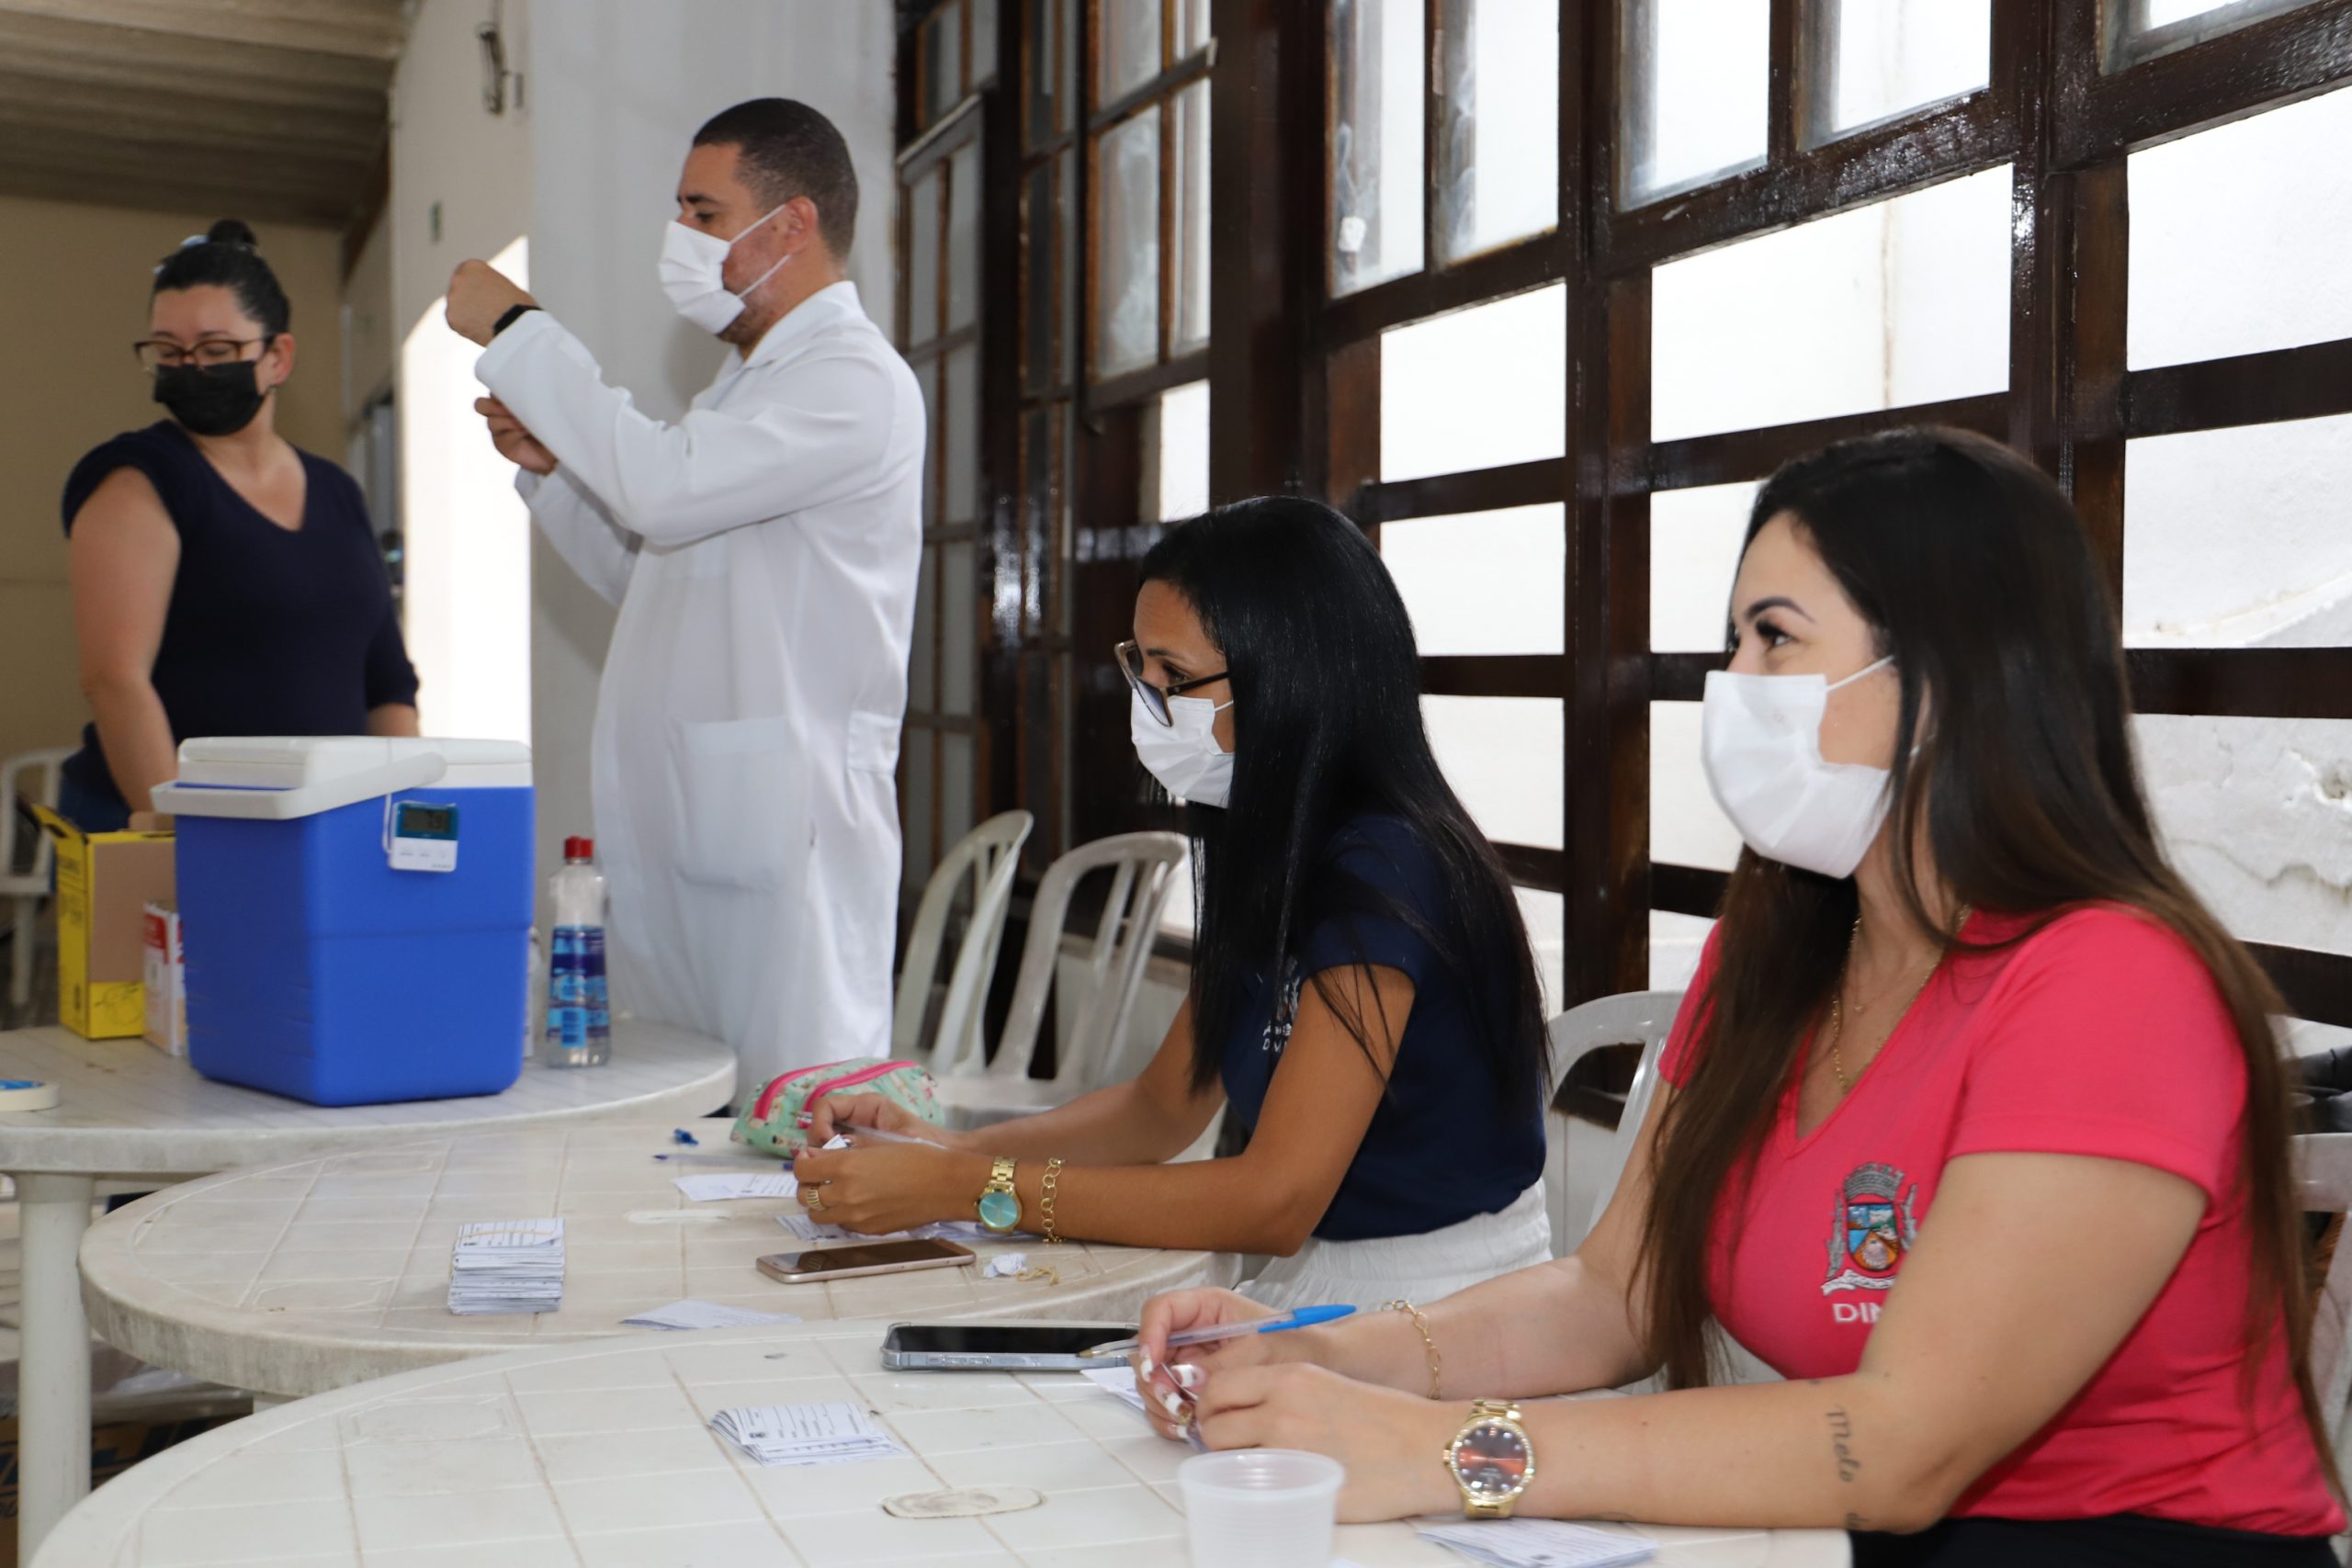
105, 882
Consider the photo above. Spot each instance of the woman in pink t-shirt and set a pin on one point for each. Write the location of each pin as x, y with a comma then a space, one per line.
1973, 1127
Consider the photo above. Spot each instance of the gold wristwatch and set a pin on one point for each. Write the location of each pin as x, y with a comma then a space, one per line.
998, 1204
1491, 1460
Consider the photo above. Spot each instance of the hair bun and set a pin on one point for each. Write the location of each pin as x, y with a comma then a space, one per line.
232, 232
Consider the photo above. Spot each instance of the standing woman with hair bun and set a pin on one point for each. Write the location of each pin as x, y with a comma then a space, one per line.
224, 582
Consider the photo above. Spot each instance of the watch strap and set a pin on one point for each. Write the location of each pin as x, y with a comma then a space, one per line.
513, 313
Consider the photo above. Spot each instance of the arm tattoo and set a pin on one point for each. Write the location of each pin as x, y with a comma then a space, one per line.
1856, 1522
1841, 1435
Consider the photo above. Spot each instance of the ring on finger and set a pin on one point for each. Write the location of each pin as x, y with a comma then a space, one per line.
813, 1197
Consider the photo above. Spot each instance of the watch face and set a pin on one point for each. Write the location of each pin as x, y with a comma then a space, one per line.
999, 1211
1491, 1460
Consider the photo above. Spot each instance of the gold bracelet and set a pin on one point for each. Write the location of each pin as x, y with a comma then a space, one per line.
1045, 1200
1437, 1362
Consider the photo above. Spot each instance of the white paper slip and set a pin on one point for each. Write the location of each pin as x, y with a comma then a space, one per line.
835, 1432
704, 1314
1538, 1543
1120, 1383
506, 1266
713, 1186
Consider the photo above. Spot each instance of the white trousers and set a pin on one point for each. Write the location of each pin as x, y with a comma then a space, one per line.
1419, 1267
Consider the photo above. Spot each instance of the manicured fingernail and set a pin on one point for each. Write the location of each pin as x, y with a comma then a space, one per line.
1144, 1363
1174, 1407
1188, 1376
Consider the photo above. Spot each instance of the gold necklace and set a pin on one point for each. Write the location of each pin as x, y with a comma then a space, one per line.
1838, 999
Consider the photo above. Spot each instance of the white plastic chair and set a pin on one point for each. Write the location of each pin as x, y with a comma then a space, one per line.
2323, 1166
1643, 1018
987, 857
26, 888
1099, 999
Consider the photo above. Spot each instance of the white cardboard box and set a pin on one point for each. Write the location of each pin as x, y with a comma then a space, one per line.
167, 981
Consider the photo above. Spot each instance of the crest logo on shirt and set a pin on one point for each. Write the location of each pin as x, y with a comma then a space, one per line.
1873, 1228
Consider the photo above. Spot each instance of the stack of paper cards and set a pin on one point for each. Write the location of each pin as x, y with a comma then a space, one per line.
811, 1230
1539, 1544
505, 1266
704, 1314
736, 1184
833, 1433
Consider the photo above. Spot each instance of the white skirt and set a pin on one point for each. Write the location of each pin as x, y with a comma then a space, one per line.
1419, 1267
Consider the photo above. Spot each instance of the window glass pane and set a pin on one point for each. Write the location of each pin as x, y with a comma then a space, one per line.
1498, 154
955, 789
942, 61
1889, 57
964, 236
1694, 555
922, 259
2142, 29
1065, 285
1176, 450
1502, 757
922, 687
1126, 330
1377, 134
984, 30
1486, 582
1687, 828
1546, 915
2237, 538
1675, 945
1038, 497
1048, 40
1696, 75
2238, 239
1128, 47
916, 771
961, 421
927, 383
2253, 813
1190, 194
959, 648
1476, 388
1906, 301
1040, 306
1192, 28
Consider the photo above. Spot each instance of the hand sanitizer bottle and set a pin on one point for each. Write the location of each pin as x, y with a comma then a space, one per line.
580, 1018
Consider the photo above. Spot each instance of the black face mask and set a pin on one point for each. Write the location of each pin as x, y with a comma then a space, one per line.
219, 399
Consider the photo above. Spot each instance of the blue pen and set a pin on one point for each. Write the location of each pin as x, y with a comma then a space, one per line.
1302, 1317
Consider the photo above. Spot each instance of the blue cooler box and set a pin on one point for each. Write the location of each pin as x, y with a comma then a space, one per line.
356, 914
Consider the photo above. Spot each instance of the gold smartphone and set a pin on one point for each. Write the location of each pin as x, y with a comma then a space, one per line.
873, 1257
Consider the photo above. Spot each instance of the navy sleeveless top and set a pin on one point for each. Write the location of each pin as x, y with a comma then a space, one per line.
1446, 1144
268, 632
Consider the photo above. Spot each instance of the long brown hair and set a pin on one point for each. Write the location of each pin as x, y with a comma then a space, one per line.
1977, 578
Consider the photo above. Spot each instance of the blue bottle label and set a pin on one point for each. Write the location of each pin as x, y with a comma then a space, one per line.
579, 1001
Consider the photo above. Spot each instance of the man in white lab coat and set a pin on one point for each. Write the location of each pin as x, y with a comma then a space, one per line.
763, 552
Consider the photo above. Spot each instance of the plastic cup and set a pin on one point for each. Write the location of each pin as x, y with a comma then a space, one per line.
1261, 1508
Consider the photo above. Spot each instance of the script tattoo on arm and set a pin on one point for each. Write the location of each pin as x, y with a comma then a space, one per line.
1841, 1437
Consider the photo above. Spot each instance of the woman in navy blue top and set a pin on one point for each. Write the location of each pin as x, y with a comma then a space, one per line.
1363, 998
224, 582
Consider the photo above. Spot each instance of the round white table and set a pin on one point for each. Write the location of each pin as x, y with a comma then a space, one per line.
128, 1110
597, 1456
297, 1278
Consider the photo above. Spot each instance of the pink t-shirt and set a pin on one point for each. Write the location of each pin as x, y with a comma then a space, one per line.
2102, 1034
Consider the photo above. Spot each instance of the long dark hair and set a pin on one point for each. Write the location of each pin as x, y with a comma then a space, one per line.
229, 256
1978, 579
1327, 688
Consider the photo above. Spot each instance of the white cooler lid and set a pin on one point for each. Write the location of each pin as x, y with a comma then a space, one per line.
291, 761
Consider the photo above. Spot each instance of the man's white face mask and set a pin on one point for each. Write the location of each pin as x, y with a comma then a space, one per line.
1183, 754
694, 268
1760, 737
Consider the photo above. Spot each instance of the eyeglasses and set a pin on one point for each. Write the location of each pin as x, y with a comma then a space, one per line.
1155, 698
155, 353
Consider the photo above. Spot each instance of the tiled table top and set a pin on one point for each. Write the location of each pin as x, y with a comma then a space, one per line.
297, 1278
596, 1456
130, 1110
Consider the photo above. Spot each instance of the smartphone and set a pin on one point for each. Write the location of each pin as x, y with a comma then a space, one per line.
997, 1346
874, 1258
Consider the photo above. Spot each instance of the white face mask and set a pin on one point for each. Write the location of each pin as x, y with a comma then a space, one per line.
1760, 736
694, 275
1184, 756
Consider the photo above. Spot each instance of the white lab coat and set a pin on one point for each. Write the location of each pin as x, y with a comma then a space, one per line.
763, 552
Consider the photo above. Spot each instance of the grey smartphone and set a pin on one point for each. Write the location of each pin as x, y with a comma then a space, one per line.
997, 1346
870, 1257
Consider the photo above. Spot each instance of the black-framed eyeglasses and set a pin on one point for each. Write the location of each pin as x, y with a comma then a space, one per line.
154, 353
1155, 698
